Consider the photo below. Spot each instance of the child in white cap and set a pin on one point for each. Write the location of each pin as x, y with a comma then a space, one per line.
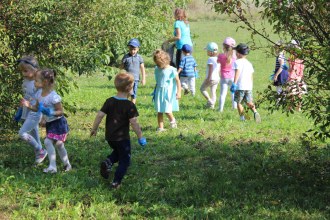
212, 75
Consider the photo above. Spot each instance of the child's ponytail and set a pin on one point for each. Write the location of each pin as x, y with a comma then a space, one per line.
48, 74
229, 53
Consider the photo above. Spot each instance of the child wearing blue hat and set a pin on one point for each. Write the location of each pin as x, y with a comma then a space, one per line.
187, 70
133, 63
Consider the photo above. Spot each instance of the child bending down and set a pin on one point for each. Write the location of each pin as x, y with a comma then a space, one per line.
120, 113
49, 103
168, 89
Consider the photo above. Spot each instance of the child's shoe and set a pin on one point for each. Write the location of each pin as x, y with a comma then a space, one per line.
210, 105
105, 168
160, 130
115, 185
242, 118
40, 156
50, 170
257, 117
173, 124
67, 167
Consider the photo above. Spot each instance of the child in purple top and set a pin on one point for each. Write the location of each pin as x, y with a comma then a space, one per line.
226, 60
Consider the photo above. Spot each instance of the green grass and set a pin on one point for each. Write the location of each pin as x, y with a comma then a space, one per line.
212, 167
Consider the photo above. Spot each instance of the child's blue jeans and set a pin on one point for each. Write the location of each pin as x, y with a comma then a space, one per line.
122, 154
29, 131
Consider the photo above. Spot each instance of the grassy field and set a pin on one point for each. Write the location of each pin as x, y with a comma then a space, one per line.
212, 167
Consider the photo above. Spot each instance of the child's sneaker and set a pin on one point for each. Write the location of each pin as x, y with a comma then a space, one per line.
173, 124
242, 118
50, 170
115, 185
160, 130
105, 168
257, 117
40, 156
67, 168
209, 105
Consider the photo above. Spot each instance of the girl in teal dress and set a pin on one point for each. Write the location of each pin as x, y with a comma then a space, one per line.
168, 89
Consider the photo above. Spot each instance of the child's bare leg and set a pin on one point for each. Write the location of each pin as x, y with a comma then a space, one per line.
160, 120
171, 118
252, 106
240, 109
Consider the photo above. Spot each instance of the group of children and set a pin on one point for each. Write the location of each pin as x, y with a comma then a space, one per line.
41, 103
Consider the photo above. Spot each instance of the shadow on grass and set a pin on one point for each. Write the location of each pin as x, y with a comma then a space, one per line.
180, 172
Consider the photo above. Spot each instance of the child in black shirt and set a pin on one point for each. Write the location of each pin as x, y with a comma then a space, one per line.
120, 114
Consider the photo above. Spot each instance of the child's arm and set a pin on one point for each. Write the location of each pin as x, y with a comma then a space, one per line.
97, 122
178, 86
143, 71
58, 109
179, 71
28, 105
237, 74
136, 127
209, 75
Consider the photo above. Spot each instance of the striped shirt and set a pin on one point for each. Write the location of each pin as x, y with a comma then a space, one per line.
187, 64
278, 58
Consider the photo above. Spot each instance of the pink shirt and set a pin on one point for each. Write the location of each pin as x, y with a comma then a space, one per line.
227, 71
296, 69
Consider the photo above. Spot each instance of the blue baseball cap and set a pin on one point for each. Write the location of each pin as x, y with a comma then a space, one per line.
186, 48
134, 43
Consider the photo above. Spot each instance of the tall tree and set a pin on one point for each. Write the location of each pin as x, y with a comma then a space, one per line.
74, 36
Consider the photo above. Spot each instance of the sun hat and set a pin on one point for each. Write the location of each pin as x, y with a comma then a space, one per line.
134, 43
229, 41
186, 48
212, 47
242, 49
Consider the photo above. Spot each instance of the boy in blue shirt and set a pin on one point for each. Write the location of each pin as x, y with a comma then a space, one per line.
133, 63
187, 70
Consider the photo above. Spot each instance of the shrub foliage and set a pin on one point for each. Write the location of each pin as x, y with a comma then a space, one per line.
74, 37
307, 22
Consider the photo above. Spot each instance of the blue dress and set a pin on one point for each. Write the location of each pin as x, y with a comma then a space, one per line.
165, 93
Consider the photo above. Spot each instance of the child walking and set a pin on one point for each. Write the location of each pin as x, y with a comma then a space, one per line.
133, 63
280, 73
168, 89
296, 85
49, 103
212, 75
226, 60
120, 113
29, 132
187, 70
243, 82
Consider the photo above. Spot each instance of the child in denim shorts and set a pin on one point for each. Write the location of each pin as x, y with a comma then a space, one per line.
242, 86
